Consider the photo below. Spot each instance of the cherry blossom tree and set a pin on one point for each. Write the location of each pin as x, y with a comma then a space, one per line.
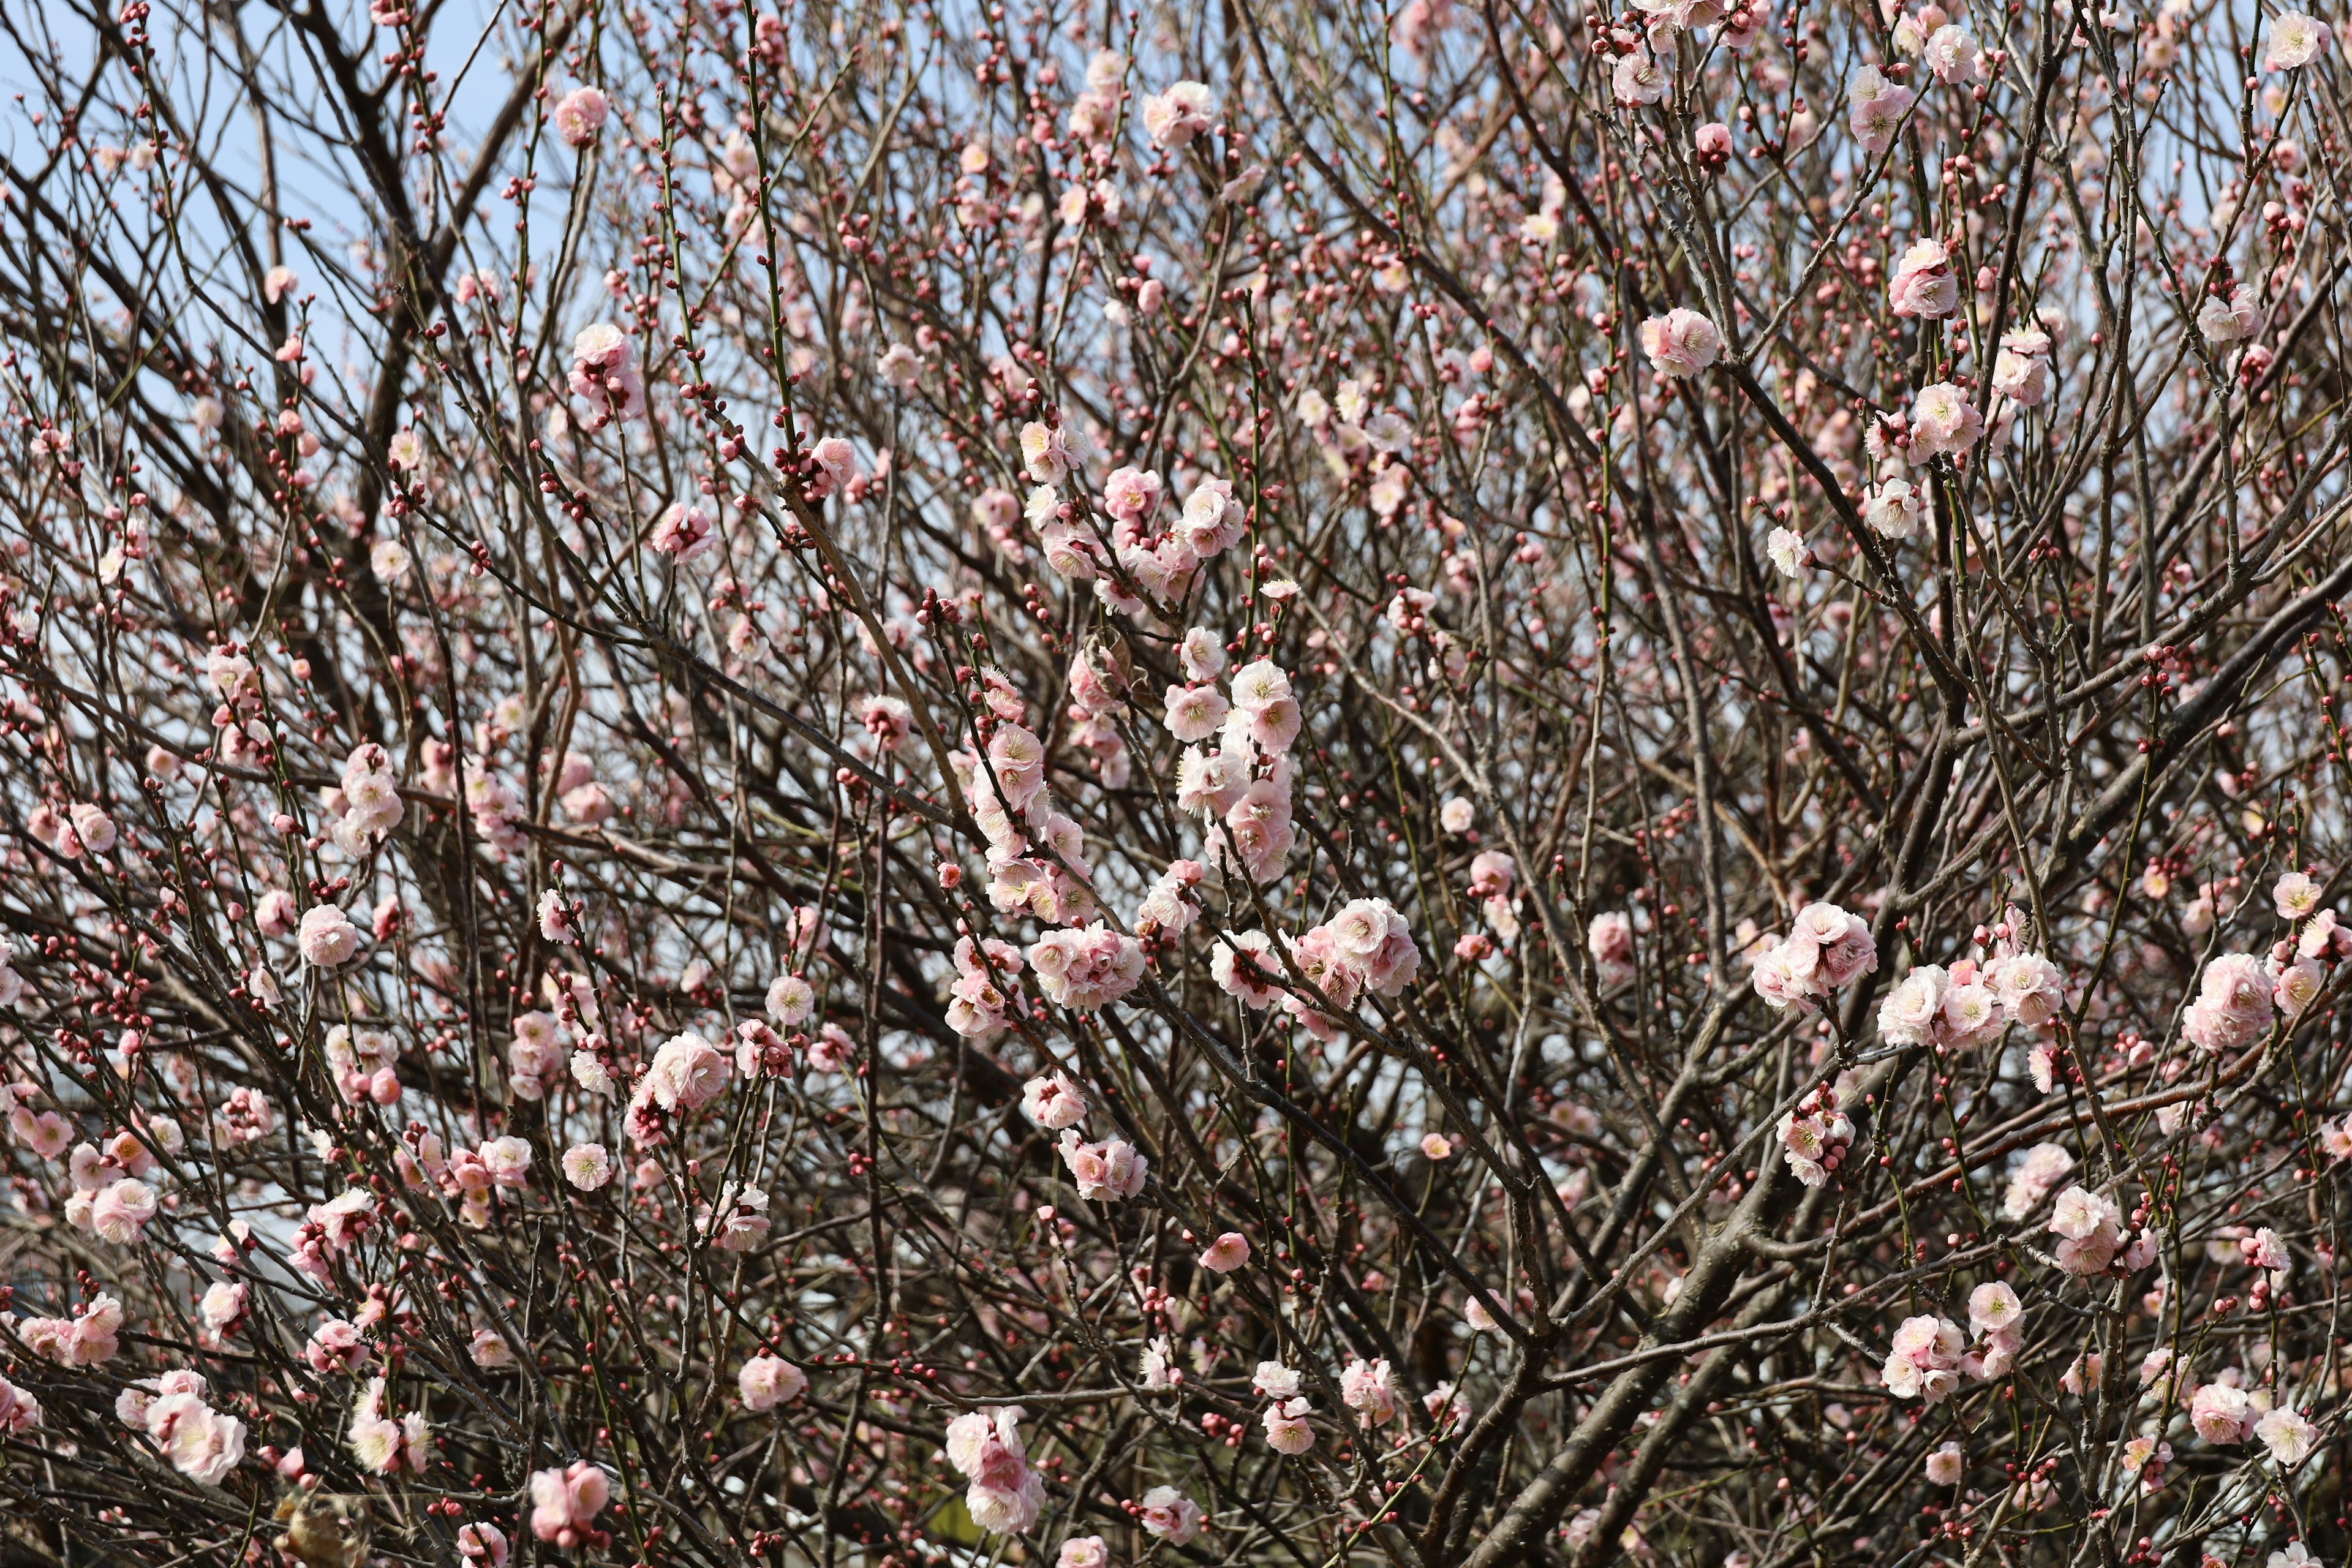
1452, 785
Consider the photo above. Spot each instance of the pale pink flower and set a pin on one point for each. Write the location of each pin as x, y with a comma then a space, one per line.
1054, 1102
1104, 1172
1175, 117
121, 1210
1170, 1515
1225, 1254
1286, 1431
508, 1160
199, 1441
683, 531
2288, 1434
1680, 342
2236, 1003
328, 938
2221, 1412
2020, 370
1369, 1389
565, 1502
1876, 109
2230, 320
2295, 895
1952, 54
1944, 422
2295, 41
2298, 985
587, 1166
579, 116
767, 1380
1923, 285
1637, 78
483, 1545
688, 1073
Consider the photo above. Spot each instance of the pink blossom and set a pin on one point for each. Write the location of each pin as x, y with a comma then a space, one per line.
985, 1447
2229, 319
121, 1210
579, 116
197, 1440
683, 531
328, 938
565, 1503
1286, 1431
767, 1380
2234, 1004
1170, 1515
1680, 342
1104, 1172
1225, 1254
484, 1545
20, 1410
1924, 1362
1877, 108
2221, 1413
1944, 422
587, 1166
1923, 284
1175, 117
2295, 41
688, 1073
1053, 1102
1369, 1389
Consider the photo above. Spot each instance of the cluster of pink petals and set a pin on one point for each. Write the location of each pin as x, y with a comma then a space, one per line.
1175, 117
1365, 947
1971, 1002
2093, 1236
1054, 1102
330, 1229
984, 1446
1083, 970
1923, 285
362, 1063
385, 1445
2236, 1000
1104, 1172
564, 1504
1815, 1135
1924, 1362
683, 531
767, 1380
1997, 1315
1608, 938
579, 115
368, 800
86, 1339
196, 1440
1875, 108
1825, 950
1680, 342
603, 376
734, 1221
1170, 1515
2037, 1175
1369, 1388
20, 1410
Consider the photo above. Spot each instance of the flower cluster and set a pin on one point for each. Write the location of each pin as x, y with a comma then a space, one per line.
565, 1501
1826, 950
985, 1447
